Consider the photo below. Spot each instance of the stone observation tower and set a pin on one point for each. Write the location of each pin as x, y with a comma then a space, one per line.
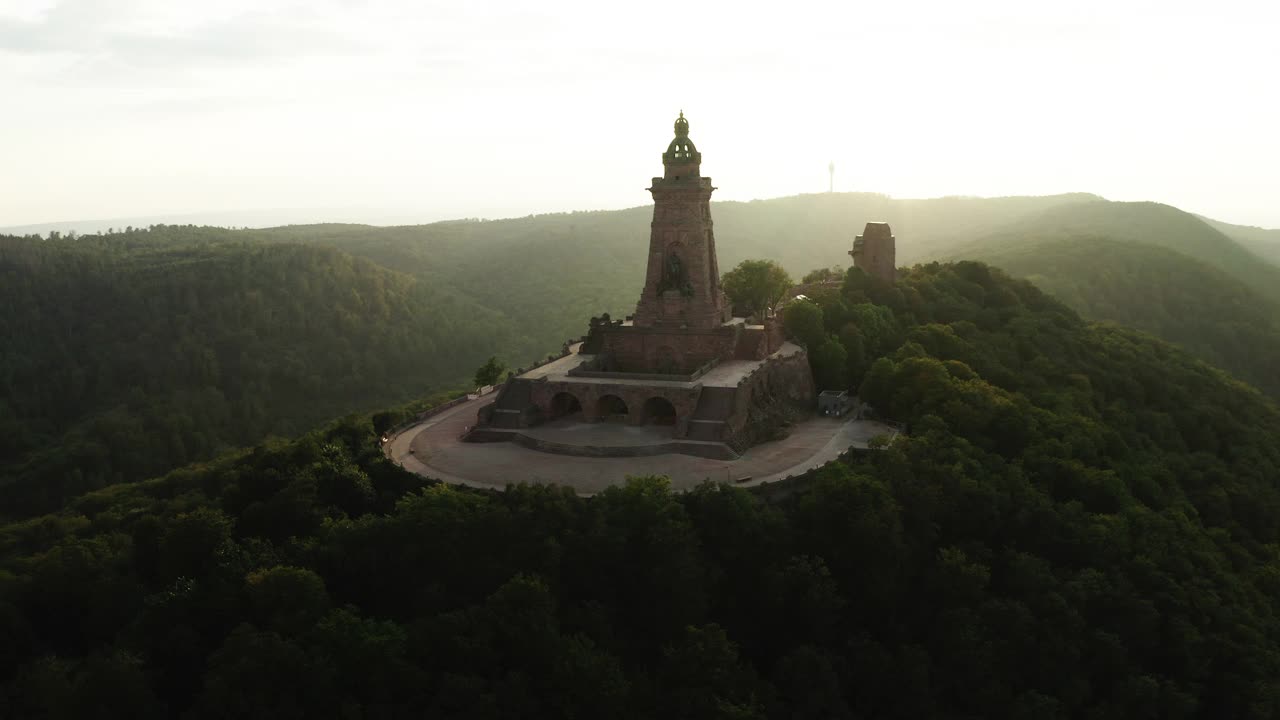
873, 251
682, 284
707, 380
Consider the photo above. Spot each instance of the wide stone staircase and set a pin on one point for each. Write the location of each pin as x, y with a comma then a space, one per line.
709, 419
514, 401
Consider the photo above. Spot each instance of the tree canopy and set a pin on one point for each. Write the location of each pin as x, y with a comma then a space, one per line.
130, 353
1079, 521
756, 285
490, 372
803, 321
826, 274
133, 353
1164, 292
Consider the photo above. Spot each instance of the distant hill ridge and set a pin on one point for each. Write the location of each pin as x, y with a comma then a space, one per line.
1161, 291
1144, 222
120, 327
1262, 242
593, 256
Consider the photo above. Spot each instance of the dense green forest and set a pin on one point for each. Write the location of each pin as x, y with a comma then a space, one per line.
139, 351
1080, 522
133, 352
1166, 293
552, 271
1212, 295
1146, 223
1262, 242
128, 354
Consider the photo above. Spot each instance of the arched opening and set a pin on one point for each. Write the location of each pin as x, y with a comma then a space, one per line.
564, 404
659, 411
612, 408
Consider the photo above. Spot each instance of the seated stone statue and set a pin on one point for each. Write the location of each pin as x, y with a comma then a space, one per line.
674, 277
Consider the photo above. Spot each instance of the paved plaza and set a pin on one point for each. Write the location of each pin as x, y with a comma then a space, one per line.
434, 449
728, 373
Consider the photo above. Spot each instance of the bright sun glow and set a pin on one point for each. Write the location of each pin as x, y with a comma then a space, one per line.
430, 110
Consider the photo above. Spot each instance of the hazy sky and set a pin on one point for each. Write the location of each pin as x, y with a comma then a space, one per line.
467, 108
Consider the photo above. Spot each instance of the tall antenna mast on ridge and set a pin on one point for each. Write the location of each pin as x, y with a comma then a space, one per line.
831, 176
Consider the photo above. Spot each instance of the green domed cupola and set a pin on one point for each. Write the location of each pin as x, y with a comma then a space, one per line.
681, 158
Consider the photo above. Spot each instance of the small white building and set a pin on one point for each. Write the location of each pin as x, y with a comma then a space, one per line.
834, 403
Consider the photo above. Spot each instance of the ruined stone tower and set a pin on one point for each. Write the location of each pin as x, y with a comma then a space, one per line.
873, 251
682, 284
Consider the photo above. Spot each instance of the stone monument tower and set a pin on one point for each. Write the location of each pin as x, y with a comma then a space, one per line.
873, 251
682, 284
681, 361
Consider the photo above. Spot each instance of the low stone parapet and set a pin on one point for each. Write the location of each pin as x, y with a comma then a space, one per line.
709, 450
652, 377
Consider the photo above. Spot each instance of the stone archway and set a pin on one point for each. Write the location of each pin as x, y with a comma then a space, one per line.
564, 405
659, 411
611, 408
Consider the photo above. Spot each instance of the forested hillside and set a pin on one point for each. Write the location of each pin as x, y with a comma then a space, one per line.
135, 352
1080, 522
548, 273
1166, 293
126, 355
1260, 241
1146, 265
1145, 223
551, 272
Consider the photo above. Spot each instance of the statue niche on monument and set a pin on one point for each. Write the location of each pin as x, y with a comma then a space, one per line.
682, 359
674, 277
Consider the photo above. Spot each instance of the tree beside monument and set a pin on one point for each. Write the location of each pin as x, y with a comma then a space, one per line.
756, 286
490, 372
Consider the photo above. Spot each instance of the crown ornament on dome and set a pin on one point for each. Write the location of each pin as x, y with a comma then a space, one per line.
681, 158
682, 126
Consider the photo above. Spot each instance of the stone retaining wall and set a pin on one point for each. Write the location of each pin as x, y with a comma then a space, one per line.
712, 451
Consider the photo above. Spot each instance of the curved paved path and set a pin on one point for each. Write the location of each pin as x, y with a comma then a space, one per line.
432, 448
